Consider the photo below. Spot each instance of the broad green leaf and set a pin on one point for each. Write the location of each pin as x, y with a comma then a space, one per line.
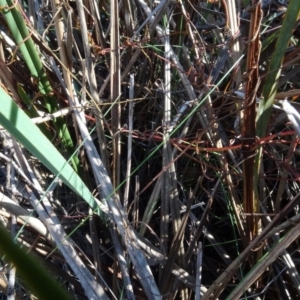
35, 276
15, 121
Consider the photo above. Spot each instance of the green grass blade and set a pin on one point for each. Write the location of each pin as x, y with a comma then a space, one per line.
30, 270
15, 121
274, 71
22, 37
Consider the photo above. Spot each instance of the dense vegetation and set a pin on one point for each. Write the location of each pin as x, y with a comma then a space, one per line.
149, 150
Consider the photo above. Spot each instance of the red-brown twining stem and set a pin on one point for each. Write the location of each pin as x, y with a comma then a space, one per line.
248, 127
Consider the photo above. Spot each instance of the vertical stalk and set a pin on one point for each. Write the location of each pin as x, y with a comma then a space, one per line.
248, 129
115, 89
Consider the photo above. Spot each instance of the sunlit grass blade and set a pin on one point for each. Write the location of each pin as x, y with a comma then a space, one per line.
23, 39
15, 121
292, 114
